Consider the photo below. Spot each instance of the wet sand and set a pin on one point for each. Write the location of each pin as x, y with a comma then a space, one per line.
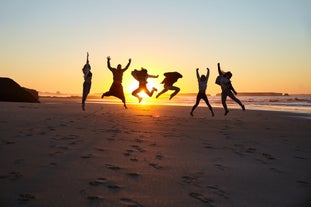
55, 154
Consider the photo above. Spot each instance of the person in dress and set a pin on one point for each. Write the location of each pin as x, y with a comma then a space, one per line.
116, 88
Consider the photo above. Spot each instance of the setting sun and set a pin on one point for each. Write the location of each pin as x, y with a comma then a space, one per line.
133, 85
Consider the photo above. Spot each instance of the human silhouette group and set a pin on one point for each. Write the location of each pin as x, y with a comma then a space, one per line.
170, 78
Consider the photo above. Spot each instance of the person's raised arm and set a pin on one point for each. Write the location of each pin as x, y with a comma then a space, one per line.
87, 58
207, 73
128, 65
153, 76
108, 63
219, 70
198, 75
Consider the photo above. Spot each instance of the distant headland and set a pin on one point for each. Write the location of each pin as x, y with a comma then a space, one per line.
259, 94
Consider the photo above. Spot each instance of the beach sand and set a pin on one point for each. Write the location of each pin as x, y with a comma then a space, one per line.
55, 154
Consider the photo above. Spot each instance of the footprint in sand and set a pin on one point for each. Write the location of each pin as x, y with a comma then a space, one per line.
130, 202
159, 157
155, 165
250, 150
133, 175
304, 183
221, 167
26, 197
299, 157
268, 156
202, 198
14, 175
11, 176
188, 179
87, 156
98, 181
128, 152
113, 167
100, 149
55, 153
95, 197
276, 170
8, 142
104, 182
138, 148
208, 146
138, 140
217, 191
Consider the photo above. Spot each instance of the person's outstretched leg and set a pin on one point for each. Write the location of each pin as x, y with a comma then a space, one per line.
208, 104
148, 92
223, 101
135, 93
123, 101
196, 104
175, 92
160, 93
86, 91
233, 97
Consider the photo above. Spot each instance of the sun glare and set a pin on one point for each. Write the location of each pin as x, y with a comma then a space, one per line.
133, 85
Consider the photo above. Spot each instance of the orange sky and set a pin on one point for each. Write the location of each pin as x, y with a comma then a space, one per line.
44, 44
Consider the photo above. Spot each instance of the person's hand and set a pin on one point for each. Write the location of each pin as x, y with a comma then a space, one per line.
108, 58
207, 68
157, 76
235, 93
130, 60
197, 69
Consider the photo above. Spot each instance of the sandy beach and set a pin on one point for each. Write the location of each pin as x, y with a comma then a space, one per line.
53, 154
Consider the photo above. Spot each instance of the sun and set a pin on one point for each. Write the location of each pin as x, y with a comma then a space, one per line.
134, 85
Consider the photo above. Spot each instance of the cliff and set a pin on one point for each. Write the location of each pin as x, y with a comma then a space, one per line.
13, 92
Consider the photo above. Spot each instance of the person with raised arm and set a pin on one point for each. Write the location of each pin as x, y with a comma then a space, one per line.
87, 80
116, 88
227, 89
202, 83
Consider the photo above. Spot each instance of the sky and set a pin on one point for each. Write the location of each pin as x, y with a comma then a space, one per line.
266, 44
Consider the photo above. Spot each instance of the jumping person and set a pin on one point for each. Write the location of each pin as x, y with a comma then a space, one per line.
116, 88
141, 76
226, 87
202, 82
169, 80
87, 81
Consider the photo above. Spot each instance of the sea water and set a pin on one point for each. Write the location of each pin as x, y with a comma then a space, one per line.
292, 103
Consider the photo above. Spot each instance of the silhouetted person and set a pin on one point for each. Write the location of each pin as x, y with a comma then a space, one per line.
87, 81
169, 80
116, 88
141, 76
202, 82
226, 87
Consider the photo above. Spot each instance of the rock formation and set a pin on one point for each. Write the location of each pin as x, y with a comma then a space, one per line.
13, 92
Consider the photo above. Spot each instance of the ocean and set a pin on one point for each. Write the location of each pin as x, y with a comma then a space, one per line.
290, 103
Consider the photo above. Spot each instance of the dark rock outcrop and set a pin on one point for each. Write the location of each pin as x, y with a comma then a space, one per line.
13, 92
